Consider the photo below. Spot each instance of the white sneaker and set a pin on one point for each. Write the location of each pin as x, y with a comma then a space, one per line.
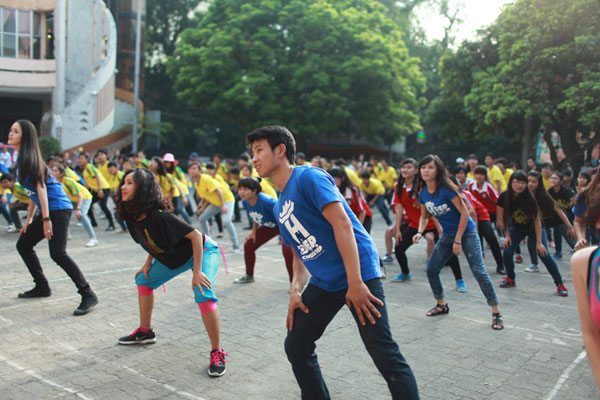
236, 249
11, 228
79, 223
533, 268
92, 243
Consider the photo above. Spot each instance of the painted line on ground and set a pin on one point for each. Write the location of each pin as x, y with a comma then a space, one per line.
564, 376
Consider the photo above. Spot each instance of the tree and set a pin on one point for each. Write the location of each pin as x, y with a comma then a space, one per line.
323, 68
548, 70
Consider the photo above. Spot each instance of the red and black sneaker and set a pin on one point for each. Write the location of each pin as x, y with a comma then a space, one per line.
562, 290
507, 282
217, 362
519, 259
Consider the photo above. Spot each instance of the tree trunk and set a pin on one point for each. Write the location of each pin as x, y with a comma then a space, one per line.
527, 133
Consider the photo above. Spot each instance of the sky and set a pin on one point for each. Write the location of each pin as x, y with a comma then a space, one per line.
474, 14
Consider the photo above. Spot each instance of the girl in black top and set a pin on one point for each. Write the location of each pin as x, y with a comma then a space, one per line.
564, 197
173, 247
518, 210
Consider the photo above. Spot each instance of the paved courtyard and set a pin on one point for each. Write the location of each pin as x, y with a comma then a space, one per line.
47, 353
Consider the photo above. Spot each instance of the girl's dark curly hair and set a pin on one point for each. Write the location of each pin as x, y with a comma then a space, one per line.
147, 197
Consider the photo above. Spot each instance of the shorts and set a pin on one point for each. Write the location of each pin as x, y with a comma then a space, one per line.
159, 273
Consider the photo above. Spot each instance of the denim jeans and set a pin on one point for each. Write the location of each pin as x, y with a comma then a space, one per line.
518, 234
380, 203
180, 210
4, 209
213, 210
486, 230
308, 328
560, 231
472, 248
14, 208
85, 206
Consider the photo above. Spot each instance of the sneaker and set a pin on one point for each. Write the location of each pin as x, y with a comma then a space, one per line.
11, 228
79, 223
500, 270
507, 283
461, 286
402, 277
519, 259
69, 236
236, 249
88, 302
557, 256
562, 290
92, 243
110, 228
244, 279
383, 272
217, 363
37, 291
532, 268
139, 337
387, 259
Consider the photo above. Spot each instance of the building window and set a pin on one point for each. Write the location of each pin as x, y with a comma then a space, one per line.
21, 33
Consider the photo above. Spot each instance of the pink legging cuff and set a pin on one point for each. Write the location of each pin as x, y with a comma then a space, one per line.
207, 307
145, 290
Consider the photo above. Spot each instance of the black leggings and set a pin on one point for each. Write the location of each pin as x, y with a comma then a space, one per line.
407, 241
486, 231
58, 250
103, 206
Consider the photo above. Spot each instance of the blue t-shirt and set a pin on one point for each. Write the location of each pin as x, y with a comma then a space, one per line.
57, 198
303, 226
440, 206
262, 211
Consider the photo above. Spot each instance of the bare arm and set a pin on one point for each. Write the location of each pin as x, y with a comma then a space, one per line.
423, 220
45, 209
462, 223
580, 233
199, 279
358, 294
299, 281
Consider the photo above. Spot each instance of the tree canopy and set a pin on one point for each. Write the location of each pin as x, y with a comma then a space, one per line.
321, 68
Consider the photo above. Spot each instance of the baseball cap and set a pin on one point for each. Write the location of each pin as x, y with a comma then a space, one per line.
193, 155
460, 159
169, 157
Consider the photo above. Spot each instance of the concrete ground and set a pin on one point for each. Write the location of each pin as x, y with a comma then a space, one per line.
47, 353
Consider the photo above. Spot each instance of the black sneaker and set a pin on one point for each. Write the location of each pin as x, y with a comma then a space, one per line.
37, 291
217, 363
88, 301
110, 228
139, 337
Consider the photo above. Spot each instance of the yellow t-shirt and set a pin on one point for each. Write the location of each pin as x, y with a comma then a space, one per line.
69, 173
546, 183
20, 193
89, 175
72, 189
388, 178
268, 189
207, 189
182, 178
166, 185
375, 187
115, 180
143, 163
103, 168
494, 174
222, 172
507, 175
353, 176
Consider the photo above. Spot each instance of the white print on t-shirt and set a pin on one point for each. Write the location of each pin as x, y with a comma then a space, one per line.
257, 217
436, 211
307, 243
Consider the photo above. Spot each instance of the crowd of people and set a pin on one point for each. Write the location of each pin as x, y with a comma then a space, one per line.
321, 211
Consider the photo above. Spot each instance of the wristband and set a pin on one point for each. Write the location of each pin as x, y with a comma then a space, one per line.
455, 242
78, 209
420, 233
46, 219
461, 226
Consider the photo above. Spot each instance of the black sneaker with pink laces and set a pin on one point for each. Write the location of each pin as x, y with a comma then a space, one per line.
217, 363
139, 337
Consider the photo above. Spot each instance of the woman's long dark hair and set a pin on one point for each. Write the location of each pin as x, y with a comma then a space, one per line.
413, 191
528, 201
339, 172
591, 200
30, 162
147, 197
441, 177
162, 170
543, 199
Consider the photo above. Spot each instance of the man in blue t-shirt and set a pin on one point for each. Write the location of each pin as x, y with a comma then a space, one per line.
333, 249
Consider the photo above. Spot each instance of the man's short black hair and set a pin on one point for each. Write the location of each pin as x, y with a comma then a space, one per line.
365, 175
275, 135
460, 168
111, 164
547, 165
210, 165
102, 151
245, 157
301, 155
7, 177
502, 160
490, 155
235, 170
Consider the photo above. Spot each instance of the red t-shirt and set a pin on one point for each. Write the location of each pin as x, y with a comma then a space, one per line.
487, 195
411, 207
356, 202
482, 213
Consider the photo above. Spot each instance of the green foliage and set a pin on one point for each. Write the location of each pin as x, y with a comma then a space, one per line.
322, 68
49, 146
548, 69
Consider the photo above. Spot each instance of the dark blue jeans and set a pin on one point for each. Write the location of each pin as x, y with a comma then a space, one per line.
380, 203
560, 231
518, 234
308, 328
